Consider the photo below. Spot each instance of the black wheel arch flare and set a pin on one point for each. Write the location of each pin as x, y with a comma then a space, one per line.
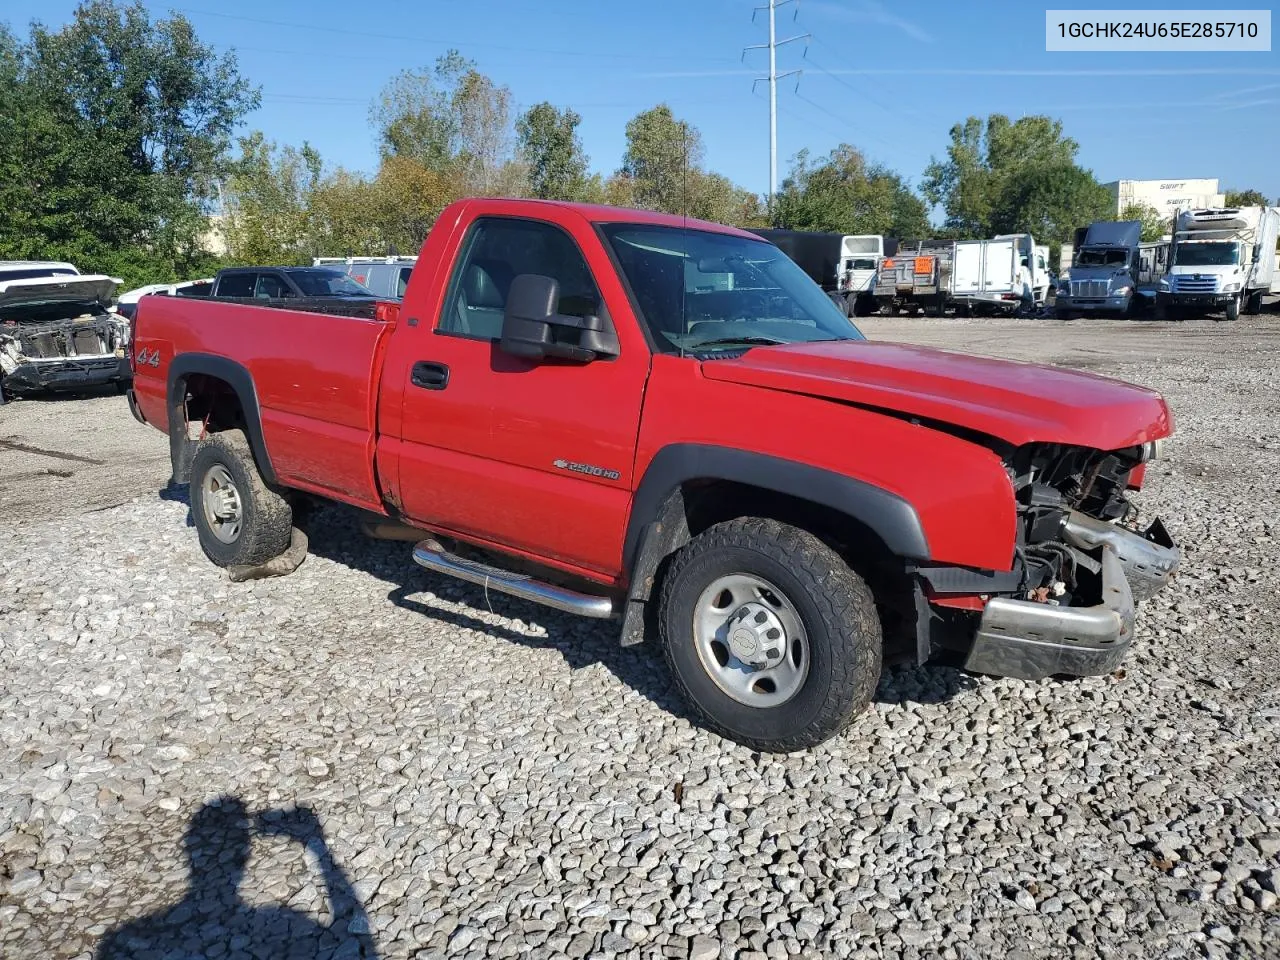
657, 524
236, 376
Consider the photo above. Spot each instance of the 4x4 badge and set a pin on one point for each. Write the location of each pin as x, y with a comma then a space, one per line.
588, 469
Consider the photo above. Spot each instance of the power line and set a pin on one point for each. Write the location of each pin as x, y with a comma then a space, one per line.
847, 137
346, 32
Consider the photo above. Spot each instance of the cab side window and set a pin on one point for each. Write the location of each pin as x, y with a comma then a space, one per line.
495, 252
236, 285
271, 286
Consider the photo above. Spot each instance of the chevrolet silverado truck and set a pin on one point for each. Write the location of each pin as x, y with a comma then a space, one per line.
626, 414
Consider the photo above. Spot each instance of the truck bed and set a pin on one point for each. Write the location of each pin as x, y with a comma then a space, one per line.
315, 375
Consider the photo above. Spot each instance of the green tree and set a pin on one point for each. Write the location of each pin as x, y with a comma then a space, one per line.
342, 217
842, 193
1049, 201
454, 121
268, 202
114, 134
409, 198
1154, 226
994, 167
1246, 198
552, 151
663, 156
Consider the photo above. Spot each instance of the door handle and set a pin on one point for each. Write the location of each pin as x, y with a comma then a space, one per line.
430, 376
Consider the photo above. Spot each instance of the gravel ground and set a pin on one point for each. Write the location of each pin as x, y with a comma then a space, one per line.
365, 758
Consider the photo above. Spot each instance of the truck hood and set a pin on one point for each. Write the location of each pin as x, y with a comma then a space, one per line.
1014, 402
1098, 273
95, 288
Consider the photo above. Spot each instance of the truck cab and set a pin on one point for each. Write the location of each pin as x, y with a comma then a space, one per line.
1104, 271
860, 257
1222, 260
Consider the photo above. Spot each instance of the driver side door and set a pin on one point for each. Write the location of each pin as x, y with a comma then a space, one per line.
534, 456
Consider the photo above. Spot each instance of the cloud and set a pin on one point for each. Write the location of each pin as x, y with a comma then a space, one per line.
871, 11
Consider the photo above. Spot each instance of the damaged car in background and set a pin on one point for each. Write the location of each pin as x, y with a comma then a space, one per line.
58, 330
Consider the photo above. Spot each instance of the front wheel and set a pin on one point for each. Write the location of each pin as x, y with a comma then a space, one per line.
770, 636
1233, 308
240, 520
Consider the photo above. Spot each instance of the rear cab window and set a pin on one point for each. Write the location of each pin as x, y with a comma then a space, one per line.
237, 285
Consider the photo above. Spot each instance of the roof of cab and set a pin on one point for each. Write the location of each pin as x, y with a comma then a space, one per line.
598, 213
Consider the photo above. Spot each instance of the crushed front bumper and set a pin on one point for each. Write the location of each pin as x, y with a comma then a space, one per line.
70, 373
1031, 641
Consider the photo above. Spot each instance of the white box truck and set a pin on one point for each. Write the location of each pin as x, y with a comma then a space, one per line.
996, 275
1222, 259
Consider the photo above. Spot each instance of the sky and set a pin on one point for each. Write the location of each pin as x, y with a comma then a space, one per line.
890, 78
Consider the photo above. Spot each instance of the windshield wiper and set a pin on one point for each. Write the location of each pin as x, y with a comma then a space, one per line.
736, 341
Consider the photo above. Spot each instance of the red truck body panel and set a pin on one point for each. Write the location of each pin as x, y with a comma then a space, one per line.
491, 457
315, 375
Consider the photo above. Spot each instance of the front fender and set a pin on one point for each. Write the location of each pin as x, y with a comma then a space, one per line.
888, 515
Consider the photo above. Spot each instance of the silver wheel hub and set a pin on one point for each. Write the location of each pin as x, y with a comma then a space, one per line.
750, 640
220, 500
756, 636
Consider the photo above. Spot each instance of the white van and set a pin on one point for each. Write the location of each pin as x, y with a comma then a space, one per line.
387, 277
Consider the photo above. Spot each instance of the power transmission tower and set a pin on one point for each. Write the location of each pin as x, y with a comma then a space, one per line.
773, 78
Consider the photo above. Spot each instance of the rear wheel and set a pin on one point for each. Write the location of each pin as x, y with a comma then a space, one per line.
240, 520
769, 635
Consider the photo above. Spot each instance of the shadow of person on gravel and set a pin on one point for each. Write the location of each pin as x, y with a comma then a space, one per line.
212, 920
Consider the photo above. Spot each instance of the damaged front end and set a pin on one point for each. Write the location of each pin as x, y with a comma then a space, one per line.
61, 336
1082, 563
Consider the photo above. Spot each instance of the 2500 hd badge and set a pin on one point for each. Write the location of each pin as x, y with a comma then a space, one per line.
587, 468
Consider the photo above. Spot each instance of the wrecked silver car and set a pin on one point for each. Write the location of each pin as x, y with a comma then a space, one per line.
58, 332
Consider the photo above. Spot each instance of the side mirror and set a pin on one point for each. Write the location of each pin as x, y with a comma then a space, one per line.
532, 328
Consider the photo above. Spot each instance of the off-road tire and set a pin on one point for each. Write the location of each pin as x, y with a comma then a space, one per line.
267, 517
835, 605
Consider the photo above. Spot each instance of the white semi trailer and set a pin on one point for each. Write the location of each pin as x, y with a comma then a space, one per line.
1221, 260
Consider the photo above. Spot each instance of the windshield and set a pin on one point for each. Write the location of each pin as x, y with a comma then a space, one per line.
697, 289
328, 283
34, 273
1200, 254
1102, 257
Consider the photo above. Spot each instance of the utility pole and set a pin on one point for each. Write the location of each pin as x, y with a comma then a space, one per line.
773, 78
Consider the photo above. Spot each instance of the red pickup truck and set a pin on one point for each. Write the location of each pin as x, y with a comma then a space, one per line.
627, 414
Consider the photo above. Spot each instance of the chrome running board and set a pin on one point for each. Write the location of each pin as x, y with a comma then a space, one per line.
436, 558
